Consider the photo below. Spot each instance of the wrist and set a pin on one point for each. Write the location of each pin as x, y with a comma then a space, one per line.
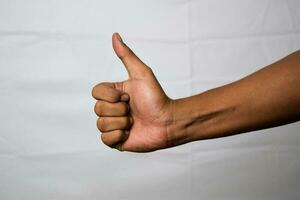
204, 116
177, 131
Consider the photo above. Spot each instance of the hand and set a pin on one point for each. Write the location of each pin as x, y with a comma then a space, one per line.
134, 114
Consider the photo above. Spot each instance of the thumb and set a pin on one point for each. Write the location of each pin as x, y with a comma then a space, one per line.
134, 66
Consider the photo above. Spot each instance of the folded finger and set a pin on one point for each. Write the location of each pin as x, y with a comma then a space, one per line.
107, 109
108, 92
106, 124
115, 137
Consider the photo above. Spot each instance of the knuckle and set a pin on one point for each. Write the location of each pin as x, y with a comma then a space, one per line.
97, 107
102, 84
98, 124
94, 91
98, 89
102, 124
112, 138
104, 138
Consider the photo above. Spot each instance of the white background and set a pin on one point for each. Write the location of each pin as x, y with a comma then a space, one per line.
53, 52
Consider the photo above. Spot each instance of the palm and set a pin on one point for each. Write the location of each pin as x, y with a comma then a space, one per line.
149, 112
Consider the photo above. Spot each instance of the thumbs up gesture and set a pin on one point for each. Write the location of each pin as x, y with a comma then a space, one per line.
133, 114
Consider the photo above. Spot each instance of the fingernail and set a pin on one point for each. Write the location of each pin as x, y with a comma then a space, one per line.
119, 37
124, 97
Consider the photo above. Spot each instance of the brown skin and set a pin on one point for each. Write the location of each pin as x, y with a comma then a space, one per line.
136, 115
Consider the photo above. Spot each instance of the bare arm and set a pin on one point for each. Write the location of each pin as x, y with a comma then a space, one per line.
136, 115
267, 98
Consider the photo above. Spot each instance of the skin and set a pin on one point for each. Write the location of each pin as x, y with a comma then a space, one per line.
136, 115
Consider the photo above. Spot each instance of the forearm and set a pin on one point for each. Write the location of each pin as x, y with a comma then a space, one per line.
267, 98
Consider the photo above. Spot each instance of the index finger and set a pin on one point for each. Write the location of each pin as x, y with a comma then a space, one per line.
107, 92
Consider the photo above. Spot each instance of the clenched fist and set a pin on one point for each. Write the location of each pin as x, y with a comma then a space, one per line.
133, 114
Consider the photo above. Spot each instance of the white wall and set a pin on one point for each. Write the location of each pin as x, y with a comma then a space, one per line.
53, 52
